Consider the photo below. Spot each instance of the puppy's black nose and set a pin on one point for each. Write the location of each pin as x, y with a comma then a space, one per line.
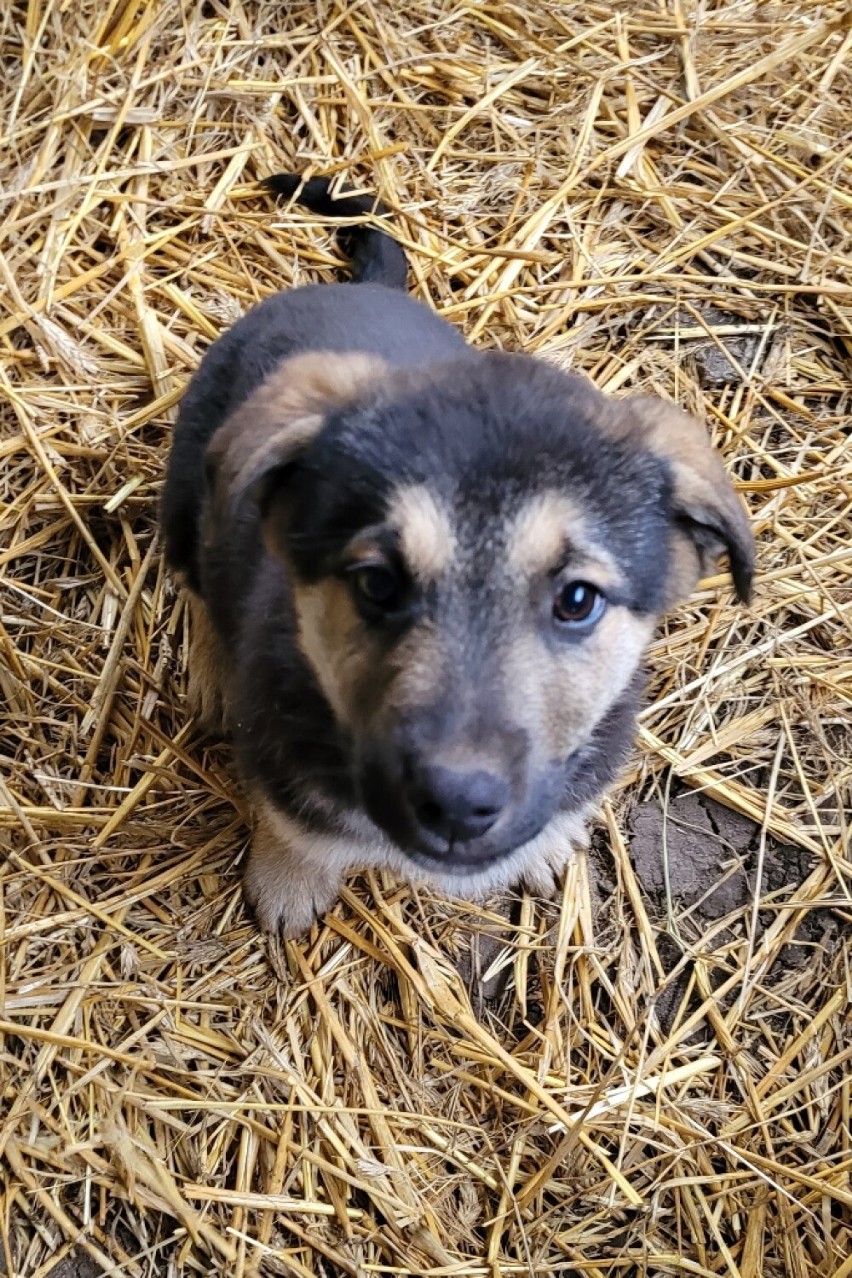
456, 806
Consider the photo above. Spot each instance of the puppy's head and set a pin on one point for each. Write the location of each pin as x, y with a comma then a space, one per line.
479, 553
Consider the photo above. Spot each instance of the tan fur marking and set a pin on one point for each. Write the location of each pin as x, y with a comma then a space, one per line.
700, 476
364, 549
206, 670
536, 538
566, 695
540, 531
426, 532
332, 640
357, 683
419, 670
685, 569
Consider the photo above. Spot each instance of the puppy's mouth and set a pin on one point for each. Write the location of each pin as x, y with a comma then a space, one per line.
457, 860
454, 864
517, 825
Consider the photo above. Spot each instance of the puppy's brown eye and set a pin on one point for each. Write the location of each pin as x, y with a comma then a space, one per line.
578, 604
377, 585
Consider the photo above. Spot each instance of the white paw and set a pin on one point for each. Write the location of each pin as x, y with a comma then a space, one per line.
286, 904
540, 880
551, 853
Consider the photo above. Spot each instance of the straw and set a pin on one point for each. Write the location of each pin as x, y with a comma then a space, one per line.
657, 196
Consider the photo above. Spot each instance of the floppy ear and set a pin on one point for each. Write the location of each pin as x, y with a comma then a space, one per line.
283, 415
710, 517
249, 454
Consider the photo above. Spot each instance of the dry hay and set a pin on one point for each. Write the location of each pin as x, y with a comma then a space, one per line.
658, 195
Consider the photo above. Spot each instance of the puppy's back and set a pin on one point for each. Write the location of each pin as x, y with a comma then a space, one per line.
366, 317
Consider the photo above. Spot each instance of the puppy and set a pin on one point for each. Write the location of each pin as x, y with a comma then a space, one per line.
422, 581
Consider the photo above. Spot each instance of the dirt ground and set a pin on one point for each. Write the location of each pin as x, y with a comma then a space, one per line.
698, 864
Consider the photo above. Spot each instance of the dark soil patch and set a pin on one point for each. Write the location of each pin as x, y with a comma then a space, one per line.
77, 1264
697, 866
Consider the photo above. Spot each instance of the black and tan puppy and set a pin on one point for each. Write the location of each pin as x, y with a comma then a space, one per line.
423, 578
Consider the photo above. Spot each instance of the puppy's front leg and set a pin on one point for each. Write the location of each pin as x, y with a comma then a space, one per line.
207, 675
287, 883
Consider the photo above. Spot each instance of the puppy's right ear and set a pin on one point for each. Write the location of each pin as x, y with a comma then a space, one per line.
250, 453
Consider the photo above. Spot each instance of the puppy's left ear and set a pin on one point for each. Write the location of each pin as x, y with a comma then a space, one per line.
710, 516
253, 450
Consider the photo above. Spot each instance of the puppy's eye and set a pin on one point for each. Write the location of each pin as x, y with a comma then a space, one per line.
377, 585
577, 604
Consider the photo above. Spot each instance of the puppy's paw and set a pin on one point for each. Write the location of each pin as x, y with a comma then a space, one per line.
542, 878
552, 853
285, 899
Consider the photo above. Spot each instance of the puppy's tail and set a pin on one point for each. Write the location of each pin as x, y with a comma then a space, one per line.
374, 258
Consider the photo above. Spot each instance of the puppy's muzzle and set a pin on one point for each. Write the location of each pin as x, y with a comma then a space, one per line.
458, 814
451, 807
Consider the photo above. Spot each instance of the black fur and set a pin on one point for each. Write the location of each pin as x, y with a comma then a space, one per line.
374, 258
483, 432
